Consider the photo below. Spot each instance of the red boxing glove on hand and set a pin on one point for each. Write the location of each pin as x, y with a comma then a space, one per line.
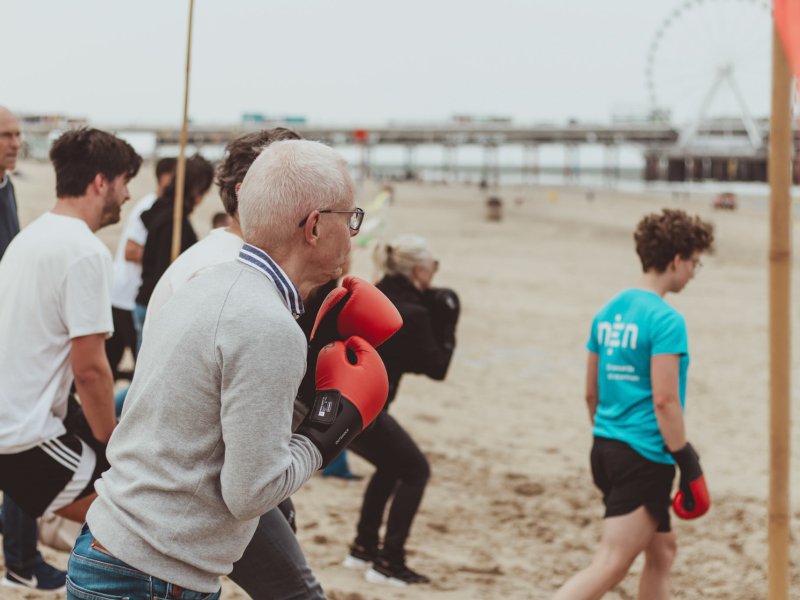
692, 500
355, 308
352, 387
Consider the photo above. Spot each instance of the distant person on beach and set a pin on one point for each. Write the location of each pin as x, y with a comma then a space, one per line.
273, 565
55, 284
424, 345
159, 219
128, 271
220, 220
25, 566
10, 145
205, 444
636, 391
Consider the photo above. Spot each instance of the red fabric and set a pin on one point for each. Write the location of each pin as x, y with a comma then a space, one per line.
787, 20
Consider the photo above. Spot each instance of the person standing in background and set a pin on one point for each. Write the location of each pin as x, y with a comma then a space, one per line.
157, 253
128, 272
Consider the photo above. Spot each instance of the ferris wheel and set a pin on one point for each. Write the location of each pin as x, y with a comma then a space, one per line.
709, 59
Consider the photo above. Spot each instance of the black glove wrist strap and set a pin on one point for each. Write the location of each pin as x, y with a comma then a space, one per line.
688, 462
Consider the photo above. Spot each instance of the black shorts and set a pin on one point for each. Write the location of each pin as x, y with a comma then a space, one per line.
628, 480
56, 472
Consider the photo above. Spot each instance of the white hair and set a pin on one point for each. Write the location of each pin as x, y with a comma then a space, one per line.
289, 180
402, 254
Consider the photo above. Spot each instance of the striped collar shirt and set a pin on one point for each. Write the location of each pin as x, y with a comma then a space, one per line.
261, 261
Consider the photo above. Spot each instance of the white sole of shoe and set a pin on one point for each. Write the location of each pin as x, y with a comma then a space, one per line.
351, 562
374, 577
6, 582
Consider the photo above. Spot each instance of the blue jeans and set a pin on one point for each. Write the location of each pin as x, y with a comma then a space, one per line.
119, 400
19, 538
95, 575
139, 313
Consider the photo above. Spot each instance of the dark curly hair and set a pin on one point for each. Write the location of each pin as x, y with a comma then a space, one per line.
80, 154
240, 154
661, 237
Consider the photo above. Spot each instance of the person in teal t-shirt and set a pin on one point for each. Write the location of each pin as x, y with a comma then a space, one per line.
636, 392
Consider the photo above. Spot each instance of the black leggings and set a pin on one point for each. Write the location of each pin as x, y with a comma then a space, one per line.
402, 470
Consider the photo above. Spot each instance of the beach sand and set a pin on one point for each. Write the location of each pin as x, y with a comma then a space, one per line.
511, 511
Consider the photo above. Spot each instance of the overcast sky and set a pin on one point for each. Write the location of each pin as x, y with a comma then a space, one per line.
373, 61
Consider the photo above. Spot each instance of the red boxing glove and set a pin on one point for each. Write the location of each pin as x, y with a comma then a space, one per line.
692, 500
352, 387
355, 308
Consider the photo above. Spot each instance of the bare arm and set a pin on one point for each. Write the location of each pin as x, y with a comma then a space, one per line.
591, 384
133, 251
94, 383
665, 375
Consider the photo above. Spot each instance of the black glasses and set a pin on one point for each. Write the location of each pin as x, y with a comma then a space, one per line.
356, 218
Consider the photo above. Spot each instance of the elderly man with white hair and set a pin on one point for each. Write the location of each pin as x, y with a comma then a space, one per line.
204, 445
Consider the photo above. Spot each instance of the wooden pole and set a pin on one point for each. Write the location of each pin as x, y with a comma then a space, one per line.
780, 160
180, 172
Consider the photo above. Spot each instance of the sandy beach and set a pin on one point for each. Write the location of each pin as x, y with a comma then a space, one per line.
511, 511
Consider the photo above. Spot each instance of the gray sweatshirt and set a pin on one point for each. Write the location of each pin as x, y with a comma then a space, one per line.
204, 446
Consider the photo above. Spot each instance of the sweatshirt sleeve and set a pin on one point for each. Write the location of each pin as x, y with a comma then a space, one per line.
264, 462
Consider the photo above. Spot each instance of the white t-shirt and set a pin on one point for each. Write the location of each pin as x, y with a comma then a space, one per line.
55, 282
218, 247
128, 275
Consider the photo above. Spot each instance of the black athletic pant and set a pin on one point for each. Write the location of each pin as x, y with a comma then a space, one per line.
402, 470
124, 337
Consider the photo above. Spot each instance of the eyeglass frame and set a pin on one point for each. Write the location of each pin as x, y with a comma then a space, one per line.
356, 211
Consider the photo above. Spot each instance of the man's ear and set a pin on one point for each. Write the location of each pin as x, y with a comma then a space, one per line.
673, 265
98, 184
311, 228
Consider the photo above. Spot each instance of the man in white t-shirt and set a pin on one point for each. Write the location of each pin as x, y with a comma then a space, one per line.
55, 313
128, 271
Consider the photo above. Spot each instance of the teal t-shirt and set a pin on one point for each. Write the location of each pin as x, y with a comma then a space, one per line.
635, 325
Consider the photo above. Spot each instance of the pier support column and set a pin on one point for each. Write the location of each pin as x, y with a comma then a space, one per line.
572, 164
410, 166
611, 162
490, 173
366, 169
450, 163
530, 163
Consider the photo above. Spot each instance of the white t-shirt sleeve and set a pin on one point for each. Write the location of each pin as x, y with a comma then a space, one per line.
87, 296
135, 230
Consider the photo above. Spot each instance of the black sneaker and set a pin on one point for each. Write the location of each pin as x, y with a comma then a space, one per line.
43, 577
360, 558
397, 574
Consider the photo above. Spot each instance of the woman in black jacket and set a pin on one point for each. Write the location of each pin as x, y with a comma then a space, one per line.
159, 219
423, 345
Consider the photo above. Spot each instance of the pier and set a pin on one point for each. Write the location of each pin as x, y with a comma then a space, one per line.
720, 149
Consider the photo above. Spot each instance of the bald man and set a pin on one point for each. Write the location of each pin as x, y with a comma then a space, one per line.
10, 144
25, 567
